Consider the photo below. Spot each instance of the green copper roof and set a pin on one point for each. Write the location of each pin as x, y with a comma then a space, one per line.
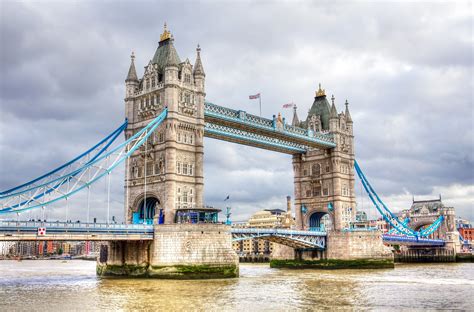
320, 108
166, 55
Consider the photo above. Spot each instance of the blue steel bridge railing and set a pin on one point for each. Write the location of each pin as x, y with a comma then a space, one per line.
57, 175
388, 215
242, 117
70, 183
412, 240
220, 131
73, 227
276, 231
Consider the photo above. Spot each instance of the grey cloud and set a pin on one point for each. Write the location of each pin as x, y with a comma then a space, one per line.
406, 69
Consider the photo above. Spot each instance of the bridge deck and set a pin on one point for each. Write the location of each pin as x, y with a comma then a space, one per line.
62, 231
292, 238
412, 241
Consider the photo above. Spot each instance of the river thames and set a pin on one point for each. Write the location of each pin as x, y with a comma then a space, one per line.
72, 286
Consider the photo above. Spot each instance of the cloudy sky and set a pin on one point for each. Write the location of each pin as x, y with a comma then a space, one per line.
405, 68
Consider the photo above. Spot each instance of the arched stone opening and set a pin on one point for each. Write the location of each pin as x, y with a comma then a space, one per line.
320, 221
147, 211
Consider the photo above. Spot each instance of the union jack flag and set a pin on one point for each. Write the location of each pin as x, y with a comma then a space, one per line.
288, 105
253, 97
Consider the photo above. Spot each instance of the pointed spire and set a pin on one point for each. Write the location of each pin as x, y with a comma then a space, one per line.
198, 69
333, 113
348, 115
132, 73
295, 122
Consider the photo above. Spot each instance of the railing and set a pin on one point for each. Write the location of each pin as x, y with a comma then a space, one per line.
366, 229
259, 120
232, 115
256, 138
276, 231
412, 239
74, 227
210, 107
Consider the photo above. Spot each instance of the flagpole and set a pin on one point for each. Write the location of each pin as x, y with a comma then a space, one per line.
260, 103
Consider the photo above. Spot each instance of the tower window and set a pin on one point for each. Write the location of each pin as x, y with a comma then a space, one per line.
317, 191
316, 170
185, 169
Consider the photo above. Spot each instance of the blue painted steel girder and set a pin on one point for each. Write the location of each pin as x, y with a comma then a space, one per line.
240, 136
412, 240
292, 238
248, 123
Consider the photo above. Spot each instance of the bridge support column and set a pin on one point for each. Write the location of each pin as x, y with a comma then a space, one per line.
124, 258
189, 251
344, 250
357, 245
178, 251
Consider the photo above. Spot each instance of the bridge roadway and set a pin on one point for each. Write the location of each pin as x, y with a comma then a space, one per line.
62, 231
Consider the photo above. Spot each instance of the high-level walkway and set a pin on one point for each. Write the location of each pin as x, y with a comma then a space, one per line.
238, 126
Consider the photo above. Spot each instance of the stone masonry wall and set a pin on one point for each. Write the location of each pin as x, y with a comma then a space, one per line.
357, 245
193, 244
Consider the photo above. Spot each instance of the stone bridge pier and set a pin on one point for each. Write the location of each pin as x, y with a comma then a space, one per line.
178, 251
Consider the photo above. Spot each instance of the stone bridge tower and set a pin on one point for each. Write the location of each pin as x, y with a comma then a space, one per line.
324, 179
166, 173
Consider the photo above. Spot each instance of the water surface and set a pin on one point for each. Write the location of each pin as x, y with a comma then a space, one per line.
72, 286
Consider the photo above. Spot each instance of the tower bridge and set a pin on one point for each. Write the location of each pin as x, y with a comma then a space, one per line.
168, 225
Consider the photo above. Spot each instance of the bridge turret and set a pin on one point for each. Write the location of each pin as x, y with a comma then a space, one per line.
333, 118
295, 122
131, 86
199, 82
